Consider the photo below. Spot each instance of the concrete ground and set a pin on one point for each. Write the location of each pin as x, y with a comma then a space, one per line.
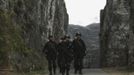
85, 72
101, 72
92, 72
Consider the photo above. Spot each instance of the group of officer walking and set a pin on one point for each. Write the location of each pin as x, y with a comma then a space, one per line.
63, 53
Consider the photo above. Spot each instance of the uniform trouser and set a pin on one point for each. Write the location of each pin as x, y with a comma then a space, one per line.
78, 64
65, 67
52, 66
59, 64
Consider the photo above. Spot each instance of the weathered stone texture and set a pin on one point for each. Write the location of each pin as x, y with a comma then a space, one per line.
117, 33
34, 20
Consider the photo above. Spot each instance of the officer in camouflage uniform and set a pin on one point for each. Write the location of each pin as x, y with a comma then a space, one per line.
64, 55
79, 49
60, 54
69, 54
51, 54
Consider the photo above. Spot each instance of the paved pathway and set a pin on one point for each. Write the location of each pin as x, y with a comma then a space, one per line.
90, 72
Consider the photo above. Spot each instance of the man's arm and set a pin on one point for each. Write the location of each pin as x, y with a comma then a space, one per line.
84, 47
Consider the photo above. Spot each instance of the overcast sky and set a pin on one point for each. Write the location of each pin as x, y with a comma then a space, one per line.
84, 12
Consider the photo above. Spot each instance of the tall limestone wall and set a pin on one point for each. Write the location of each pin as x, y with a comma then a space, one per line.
24, 28
117, 34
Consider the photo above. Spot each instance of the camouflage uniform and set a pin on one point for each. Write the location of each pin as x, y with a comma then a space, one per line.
64, 57
79, 48
51, 54
69, 56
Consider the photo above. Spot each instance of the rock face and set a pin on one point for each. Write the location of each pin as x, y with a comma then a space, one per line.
90, 35
24, 28
116, 34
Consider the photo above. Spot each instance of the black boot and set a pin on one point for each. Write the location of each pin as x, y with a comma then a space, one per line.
50, 73
67, 72
80, 72
54, 71
60, 71
63, 73
75, 71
